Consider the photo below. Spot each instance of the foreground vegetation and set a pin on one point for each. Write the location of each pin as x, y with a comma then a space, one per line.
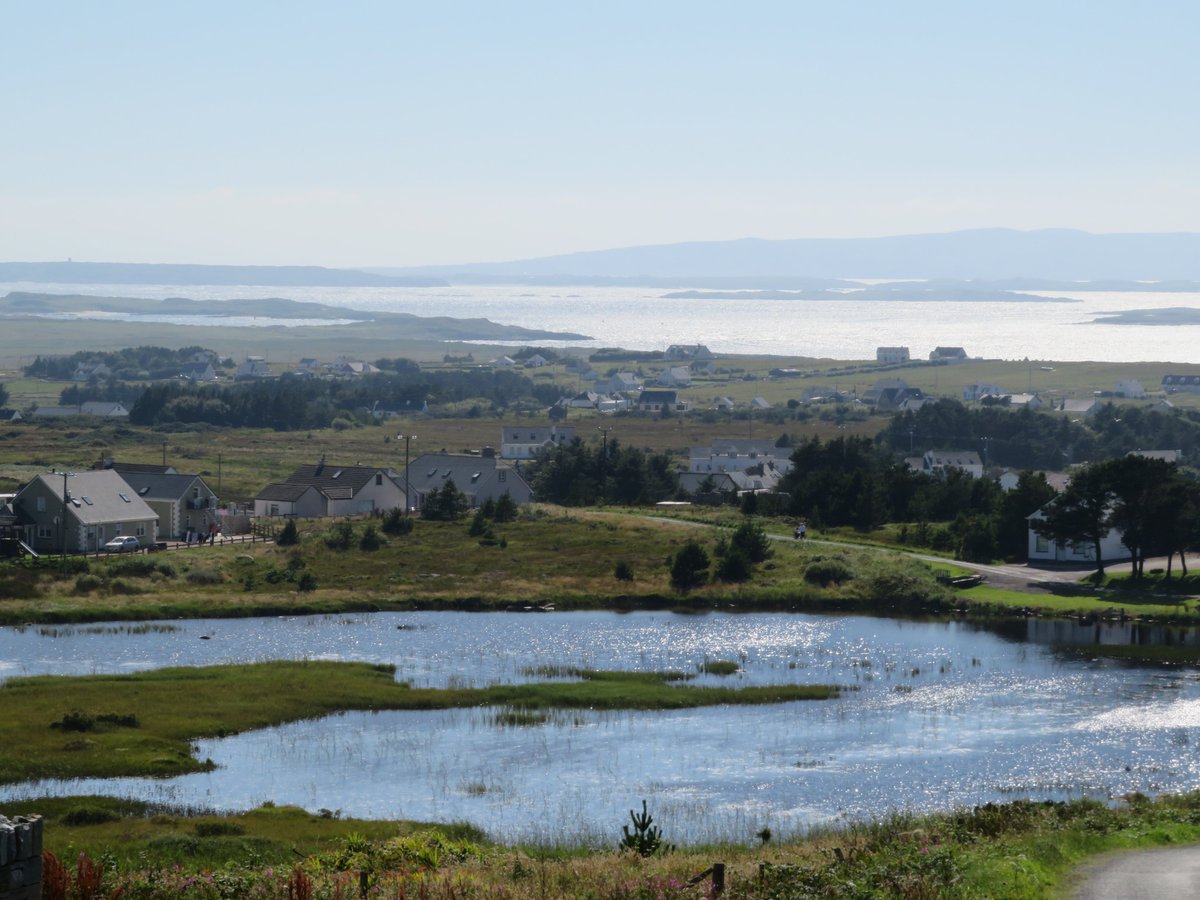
1015, 850
144, 724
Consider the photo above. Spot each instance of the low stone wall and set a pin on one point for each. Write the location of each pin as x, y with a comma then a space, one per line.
21, 858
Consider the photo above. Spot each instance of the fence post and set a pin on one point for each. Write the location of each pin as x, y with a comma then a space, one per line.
21, 858
718, 879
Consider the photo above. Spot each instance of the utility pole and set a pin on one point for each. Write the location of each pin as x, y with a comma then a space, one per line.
407, 484
603, 456
62, 525
164, 446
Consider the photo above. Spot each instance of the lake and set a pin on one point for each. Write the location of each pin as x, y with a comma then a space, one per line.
937, 715
641, 319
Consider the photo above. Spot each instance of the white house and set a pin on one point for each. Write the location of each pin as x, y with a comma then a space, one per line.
891, 355
1086, 407
1042, 549
939, 462
252, 367
1130, 388
676, 376
343, 491
621, 381
981, 389
726, 455
527, 441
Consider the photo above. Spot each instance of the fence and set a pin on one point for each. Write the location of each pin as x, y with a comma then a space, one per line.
21, 858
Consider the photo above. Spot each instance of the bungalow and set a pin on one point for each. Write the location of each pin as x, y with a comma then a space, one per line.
10, 415
103, 408
183, 503
99, 505
723, 404
290, 501
981, 389
344, 490
526, 442
725, 455
536, 361
1175, 384
253, 367
1024, 401
940, 462
620, 381
889, 393
948, 355
198, 371
677, 376
352, 368
1043, 549
687, 352
1087, 407
1130, 389
480, 478
502, 362
88, 371
891, 355
586, 400
661, 401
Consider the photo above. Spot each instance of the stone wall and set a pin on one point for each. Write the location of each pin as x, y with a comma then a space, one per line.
21, 858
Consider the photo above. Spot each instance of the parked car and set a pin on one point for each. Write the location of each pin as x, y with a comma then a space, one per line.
124, 544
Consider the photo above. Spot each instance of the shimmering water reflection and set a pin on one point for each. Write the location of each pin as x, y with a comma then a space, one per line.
941, 715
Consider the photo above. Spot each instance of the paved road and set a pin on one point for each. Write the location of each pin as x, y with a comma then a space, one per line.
1141, 875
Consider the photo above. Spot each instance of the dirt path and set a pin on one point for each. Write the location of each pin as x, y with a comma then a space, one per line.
1140, 875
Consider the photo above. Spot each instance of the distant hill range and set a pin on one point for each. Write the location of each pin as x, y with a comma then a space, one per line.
1030, 257
151, 273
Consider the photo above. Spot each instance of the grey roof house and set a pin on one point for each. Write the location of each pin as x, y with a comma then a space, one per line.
343, 491
100, 505
481, 478
182, 502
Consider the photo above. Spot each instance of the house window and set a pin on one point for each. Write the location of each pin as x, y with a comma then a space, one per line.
378, 478
1041, 544
140, 531
501, 475
117, 529
274, 511
41, 504
45, 531
1078, 550
195, 493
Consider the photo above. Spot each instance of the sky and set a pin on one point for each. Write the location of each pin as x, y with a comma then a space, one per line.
415, 133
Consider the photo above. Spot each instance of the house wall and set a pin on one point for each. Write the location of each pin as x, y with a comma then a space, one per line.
311, 505
383, 496
1046, 550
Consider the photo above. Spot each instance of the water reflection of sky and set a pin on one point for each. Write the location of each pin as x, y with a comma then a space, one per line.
942, 715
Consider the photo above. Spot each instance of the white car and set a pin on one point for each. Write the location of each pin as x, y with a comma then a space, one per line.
124, 544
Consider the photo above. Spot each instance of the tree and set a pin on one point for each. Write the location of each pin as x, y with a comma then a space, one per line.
1080, 514
288, 535
3, 395
734, 566
689, 567
752, 541
505, 509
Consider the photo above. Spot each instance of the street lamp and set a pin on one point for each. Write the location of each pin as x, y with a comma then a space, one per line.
407, 487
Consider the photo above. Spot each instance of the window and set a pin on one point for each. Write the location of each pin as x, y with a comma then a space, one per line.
501, 475
41, 504
88, 501
1041, 544
45, 531
124, 497
195, 493
140, 531
274, 511
378, 478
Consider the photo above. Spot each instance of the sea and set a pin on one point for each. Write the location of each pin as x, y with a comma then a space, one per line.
1061, 326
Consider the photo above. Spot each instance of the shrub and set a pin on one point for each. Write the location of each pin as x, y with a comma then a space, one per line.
307, 582
734, 566
121, 586
623, 571
85, 584
75, 720
205, 576
752, 540
644, 839
827, 571
340, 536
689, 567
370, 540
88, 815
478, 524
506, 508
288, 535
218, 829
395, 522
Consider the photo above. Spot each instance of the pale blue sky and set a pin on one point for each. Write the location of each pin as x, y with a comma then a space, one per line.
412, 133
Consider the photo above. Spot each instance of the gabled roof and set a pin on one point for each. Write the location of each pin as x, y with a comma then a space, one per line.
288, 493
653, 396
99, 496
336, 482
432, 470
154, 486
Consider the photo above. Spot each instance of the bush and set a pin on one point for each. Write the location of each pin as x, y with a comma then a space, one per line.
340, 536
88, 815
205, 576
506, 508
623, 571
827, 571
396, 522
307, 583
752, 541
75, 720
85, 584
689, 567
734, 566
288, 535
370, 540
219, 829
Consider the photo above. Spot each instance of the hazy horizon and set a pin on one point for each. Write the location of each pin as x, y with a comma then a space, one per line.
381, 135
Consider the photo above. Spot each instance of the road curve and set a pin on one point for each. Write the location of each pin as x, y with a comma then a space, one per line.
1140, 875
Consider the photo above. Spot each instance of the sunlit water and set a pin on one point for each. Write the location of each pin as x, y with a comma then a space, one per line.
642, 319
939, 715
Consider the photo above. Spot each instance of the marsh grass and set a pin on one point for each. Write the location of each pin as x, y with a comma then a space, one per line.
1023, 849
176, 706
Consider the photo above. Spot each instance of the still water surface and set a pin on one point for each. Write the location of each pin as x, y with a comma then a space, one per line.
941, 715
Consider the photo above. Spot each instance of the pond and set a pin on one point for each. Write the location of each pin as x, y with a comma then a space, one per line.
940, 715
